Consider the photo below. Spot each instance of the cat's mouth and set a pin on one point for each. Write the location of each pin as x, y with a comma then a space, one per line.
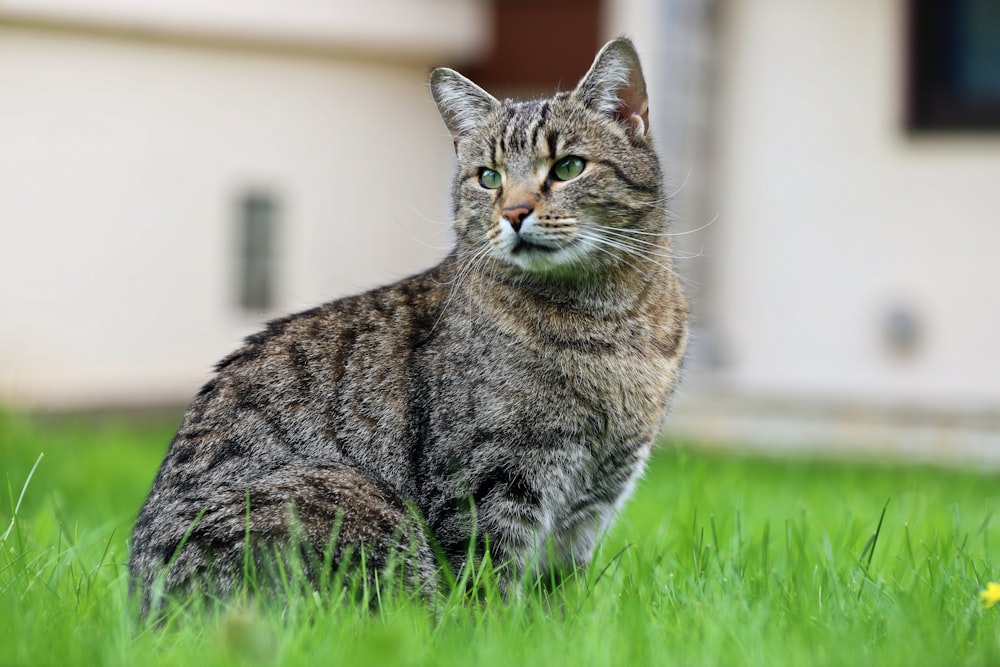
523, 246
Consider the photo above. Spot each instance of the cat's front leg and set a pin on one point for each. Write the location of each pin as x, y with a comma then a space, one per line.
517, 530
577, 539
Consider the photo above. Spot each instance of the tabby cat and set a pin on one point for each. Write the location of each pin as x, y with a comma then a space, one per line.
507, 398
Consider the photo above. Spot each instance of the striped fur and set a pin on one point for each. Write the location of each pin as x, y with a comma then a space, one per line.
509, 395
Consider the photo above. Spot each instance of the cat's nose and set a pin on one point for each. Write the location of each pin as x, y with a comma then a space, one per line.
515, 215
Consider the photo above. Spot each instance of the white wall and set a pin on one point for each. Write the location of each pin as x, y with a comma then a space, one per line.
830, 211
121, 161
448, 28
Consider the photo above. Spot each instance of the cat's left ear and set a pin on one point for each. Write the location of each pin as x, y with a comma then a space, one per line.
463, 105
615, 87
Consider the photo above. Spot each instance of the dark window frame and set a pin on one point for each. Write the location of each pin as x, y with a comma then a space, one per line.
538, 46
257, 231
933, 102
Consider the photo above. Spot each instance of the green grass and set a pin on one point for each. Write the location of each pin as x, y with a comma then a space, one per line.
718, 560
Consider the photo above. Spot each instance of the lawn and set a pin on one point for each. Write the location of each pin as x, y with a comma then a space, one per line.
718, 560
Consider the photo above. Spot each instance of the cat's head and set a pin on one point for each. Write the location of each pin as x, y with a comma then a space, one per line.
558, 188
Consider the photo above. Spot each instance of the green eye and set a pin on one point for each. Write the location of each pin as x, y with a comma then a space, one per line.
568, 167
489, 179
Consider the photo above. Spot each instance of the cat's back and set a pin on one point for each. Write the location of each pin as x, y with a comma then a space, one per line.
314, 386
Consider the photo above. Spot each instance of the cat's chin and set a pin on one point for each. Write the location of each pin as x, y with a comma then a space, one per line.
566, 261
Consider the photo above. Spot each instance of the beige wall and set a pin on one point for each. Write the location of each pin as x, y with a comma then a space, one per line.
426, 28
122, 156
829, 212
121, 160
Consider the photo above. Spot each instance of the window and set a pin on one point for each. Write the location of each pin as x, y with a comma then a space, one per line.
256, 254
538, 45
954, 65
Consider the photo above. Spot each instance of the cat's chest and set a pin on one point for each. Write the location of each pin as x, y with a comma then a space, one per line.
610, 399
571, 414
575, 426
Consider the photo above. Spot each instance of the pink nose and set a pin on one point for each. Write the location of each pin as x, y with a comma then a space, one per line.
516, 215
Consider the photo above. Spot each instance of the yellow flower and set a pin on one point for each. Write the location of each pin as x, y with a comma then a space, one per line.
990, 596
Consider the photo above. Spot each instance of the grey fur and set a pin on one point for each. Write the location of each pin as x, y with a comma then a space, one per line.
526, 376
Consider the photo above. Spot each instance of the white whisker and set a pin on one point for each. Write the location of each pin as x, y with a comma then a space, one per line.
641, 246
426, 218
465, 266
629, 250
640, 232
681, 187
597, 244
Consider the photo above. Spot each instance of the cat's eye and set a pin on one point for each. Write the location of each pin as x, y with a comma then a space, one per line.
489, 179
568, 167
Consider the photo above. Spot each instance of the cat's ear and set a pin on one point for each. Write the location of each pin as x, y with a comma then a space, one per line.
614, 86
462, 104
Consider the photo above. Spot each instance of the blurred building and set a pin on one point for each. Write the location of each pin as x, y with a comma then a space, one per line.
174, 172
847, 156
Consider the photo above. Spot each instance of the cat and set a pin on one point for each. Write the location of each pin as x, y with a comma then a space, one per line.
507, 398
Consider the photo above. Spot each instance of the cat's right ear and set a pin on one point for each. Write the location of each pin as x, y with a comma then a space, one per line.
462, 104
